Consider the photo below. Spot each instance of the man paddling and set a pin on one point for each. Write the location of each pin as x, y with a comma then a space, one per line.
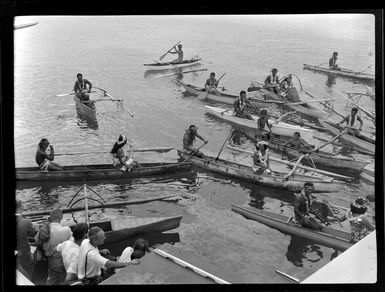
189, 138
44, 159
298, 142
180, 54
302, 208
333, 62
81, 89
240, 104
352, 123
211, 84
119, 156
272, 82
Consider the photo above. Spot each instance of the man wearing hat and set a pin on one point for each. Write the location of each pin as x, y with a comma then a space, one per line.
189, 138
333, 61
272, 82
180, 54
352, 123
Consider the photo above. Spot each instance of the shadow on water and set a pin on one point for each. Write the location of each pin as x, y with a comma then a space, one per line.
330, 81
85, 121
178, 71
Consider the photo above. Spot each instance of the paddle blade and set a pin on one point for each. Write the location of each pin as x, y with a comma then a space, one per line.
64, 94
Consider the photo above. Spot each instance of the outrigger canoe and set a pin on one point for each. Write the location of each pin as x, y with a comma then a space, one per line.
368, 145
223, 97
280, 128
338, 239
170, 65
98, 172
87, 109
275, 179
340, 72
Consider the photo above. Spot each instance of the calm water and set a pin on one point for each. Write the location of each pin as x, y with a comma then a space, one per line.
110, 52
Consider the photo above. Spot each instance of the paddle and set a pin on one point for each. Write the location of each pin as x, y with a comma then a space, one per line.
220, 151
205, 93
97, 100
194, 152
164, 55
331, 210
330, 141
155, 149
72, 93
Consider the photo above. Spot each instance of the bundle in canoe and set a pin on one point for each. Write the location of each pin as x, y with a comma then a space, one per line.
98, 172
367, 145
274, 180
171, 65
341, 72
280, 128
224, 97
329, 237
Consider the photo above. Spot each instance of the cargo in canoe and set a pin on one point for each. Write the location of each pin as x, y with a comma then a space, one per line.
98, 172
341, 72
328, 236
274, 179
280, 128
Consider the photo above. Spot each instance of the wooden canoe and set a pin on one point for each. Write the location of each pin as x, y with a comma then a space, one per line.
170, 65
275, 179
360, 144
341, 72
329, 237
281, 129
88, 109
322, 159
223, 97
98, 172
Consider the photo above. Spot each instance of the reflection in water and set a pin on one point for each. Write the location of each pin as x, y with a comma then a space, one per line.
330, 81
301, 248
85, 121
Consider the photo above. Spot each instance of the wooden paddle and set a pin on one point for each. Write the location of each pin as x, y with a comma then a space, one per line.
72, 93
331, 210
195, 152
155, 149
220, 151
97, 100
164, 55
205, 93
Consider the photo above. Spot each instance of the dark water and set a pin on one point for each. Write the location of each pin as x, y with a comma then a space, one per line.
110, 52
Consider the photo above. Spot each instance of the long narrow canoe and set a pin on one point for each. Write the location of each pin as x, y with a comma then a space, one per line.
360, 144
320, 158
328, 237
281, 129
224, 97
98, 172
88, 109
275, 179
368, 175
341, 72
170, 65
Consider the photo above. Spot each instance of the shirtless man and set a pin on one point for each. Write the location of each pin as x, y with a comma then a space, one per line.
333, 61
263, 121
211, 84
44, 160
180, 54
298, 142
189, 138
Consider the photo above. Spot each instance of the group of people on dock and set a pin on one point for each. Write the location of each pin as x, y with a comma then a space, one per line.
66, 256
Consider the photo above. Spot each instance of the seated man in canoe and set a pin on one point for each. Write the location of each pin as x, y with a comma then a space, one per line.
188, 141
333, 62
358, 218
239, 106
272, 82
180, 54
211, 84
302, 208
288, 89
261, 162
352, 121
263, 121
45, 160
81, 89
298, 142
119, 156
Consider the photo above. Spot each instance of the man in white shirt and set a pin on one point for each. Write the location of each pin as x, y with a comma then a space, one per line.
70, 251
91, 259
58, 234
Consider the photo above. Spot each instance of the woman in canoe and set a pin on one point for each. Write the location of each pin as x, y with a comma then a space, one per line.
44, 159
119, 156
358, 219
261, 161
189, 138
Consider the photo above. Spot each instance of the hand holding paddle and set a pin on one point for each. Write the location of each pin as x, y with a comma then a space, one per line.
195, 151
164, 55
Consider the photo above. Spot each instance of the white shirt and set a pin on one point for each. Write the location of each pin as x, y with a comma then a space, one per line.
94, 260
70, 253
58, 234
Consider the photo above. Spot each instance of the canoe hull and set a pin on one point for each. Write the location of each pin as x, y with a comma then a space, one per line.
355, 75
84, 109
169, 65
281, 129
275, 180
329, 237
98, 172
